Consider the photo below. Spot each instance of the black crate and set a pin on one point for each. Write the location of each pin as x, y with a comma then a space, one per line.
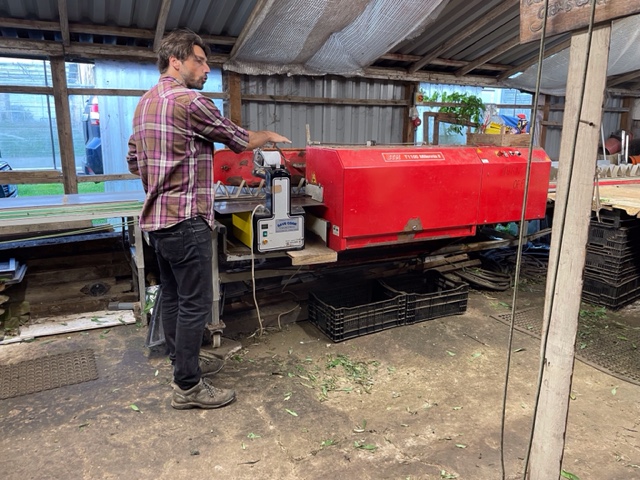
617, 239
615, 218
614, 303
599, 292
602, 262
351, 310
429, 295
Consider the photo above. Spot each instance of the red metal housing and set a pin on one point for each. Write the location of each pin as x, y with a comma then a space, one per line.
389, 195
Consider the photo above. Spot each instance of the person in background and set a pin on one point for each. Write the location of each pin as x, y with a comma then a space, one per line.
171, 149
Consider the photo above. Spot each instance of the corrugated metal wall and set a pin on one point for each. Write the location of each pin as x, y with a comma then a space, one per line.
328, 123
610, 124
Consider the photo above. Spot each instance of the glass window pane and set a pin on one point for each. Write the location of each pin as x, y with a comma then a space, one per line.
28, 132
17, 71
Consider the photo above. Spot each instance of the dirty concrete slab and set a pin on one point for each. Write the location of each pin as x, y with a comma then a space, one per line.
415, 402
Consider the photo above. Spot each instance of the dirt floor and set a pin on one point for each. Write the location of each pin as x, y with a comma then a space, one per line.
415, 402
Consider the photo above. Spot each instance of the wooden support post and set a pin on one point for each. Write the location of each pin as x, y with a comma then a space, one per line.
568, 246
626, 120
545, 118
233, 106
63, 121
408, 130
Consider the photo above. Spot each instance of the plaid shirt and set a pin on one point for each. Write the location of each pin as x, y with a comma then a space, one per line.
172, 150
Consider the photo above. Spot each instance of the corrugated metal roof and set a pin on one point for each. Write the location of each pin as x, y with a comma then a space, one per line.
448, 42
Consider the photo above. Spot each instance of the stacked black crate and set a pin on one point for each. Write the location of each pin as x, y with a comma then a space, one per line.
612, 266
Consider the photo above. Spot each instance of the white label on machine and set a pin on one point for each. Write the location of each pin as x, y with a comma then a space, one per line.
335, 230
289, 225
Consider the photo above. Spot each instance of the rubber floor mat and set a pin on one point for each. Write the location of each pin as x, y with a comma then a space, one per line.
46, 373
608, 346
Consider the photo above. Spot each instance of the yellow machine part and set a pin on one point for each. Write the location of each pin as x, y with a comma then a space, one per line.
242, 227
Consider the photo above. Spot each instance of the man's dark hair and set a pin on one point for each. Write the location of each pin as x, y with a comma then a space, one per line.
179, 43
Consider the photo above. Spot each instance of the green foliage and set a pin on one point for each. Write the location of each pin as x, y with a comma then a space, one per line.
470, 109
29, 190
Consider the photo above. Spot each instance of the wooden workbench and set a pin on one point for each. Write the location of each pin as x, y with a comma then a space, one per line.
51, 209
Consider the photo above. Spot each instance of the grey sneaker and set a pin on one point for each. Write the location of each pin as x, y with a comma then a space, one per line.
210, 366
203, 395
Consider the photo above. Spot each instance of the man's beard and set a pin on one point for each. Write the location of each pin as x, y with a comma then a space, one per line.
195, 83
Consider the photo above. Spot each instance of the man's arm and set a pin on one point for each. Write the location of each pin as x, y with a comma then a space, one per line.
132, 157
261, 137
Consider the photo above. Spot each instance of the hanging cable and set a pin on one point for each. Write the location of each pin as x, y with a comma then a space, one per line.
559, 231
532, 130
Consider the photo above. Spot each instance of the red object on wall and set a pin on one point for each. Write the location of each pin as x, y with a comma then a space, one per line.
390, 195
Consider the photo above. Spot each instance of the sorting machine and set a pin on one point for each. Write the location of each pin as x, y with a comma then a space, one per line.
384, 195
358, 197
276, 203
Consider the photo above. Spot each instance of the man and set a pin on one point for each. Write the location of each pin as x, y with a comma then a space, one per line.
171, 148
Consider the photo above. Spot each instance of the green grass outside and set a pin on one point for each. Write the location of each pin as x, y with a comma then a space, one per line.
30, 190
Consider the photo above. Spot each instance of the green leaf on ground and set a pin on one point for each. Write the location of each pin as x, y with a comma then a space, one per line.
135, 408
291, 412
451, 353
570, 476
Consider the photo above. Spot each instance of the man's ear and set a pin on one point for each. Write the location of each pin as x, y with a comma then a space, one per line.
174, 63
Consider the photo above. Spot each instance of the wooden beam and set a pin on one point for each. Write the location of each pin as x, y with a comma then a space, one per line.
126, 32
545, 118
161, 24
30, 176
14, 46
568, 247
233, 105
506, 46
533, 59
26, 89
445, 62
77, 50
63, 122
257, 14
324, 100
626, 120
106, 178
63, 13
627, 77
408, 130
429, 77
468, 31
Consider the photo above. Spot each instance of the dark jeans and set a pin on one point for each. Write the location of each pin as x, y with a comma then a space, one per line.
184, 254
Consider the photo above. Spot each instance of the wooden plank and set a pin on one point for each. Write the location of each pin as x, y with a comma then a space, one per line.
325, 100
233, 105
72, 323
64, 22
94, 29
161, 24
33, 228
63, 122
446, 62
566, 16
568, 246
30, 176
481, 61
315, 252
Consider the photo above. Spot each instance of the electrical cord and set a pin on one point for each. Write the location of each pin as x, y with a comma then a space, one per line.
253, 272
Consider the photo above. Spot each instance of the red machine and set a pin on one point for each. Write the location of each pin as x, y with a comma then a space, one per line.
390, 195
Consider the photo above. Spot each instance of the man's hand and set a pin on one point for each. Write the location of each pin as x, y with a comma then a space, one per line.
262, 137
